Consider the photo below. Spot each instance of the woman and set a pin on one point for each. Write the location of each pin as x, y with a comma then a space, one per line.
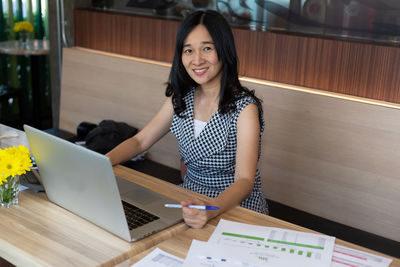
217, 122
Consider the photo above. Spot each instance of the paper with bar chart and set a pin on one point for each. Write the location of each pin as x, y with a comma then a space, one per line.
349, 257
204, 254
278, 247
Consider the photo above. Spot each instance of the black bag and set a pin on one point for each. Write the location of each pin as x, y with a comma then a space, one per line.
108, 135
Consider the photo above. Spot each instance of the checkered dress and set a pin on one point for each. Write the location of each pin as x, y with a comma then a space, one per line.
210, 158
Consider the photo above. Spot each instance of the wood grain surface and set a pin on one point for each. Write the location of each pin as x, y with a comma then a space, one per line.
179, 244
39, 233
97, 87
347, 67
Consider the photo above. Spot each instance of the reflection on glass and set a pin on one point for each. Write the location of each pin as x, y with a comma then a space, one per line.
371, 20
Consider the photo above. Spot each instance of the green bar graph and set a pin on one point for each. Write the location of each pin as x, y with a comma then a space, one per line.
294, 244
275, 247
244, 236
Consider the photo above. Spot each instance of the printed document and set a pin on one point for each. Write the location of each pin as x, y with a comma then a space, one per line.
204, 254
271, 246
345, 257
159, 258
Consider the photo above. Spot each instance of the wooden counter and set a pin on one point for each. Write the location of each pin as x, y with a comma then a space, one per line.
39, 233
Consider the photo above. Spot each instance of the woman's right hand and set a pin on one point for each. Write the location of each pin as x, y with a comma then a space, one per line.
194, 218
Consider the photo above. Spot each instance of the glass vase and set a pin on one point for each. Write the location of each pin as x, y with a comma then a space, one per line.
24, 38
9, 192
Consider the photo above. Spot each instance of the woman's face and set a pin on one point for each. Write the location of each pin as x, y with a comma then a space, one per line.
200, 59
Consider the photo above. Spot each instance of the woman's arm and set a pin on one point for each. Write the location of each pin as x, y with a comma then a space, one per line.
150, 134
248, 134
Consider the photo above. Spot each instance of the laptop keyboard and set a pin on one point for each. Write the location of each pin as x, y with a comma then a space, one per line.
137, 217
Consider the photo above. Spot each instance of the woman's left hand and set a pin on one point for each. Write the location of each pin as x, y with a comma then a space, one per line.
194, 218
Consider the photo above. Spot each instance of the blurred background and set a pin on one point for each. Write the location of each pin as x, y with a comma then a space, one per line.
371, 21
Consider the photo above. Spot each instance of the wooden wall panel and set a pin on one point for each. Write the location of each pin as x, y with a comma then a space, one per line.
360, 69
98, 87
332, 157
127, 35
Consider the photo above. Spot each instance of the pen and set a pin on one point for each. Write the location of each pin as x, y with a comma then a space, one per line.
199, 207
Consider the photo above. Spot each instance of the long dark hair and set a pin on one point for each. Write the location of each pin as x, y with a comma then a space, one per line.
180, 83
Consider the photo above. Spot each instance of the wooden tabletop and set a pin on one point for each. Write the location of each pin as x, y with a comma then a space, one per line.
37, 232
178, 245
19, 139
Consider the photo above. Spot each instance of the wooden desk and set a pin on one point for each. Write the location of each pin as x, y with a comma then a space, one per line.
180, 243
39, 233
15, 141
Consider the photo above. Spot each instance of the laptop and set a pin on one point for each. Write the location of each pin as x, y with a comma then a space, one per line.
83, 182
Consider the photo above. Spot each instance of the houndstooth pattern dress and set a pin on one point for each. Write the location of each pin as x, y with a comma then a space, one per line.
210, 158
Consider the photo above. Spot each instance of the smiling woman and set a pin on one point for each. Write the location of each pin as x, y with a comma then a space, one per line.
200, 58
218, 123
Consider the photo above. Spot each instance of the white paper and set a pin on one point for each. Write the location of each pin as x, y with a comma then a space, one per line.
204, 254
345, 257
279, 247
22, 187
159, 258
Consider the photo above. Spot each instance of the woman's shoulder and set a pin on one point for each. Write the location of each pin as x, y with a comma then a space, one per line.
243, 98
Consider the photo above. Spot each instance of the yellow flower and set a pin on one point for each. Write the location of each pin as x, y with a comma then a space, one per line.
10, 166
14, 161
23, 26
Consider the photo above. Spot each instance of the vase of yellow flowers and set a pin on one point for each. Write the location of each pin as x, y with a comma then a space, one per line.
14, 161
24, 29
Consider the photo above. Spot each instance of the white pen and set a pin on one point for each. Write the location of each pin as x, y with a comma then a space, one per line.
199, 207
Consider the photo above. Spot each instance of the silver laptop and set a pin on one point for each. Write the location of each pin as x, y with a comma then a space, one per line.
83, 182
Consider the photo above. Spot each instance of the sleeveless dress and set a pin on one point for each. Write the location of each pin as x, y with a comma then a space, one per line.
210, 158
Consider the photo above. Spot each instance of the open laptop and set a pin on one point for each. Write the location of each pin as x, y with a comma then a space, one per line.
83, 182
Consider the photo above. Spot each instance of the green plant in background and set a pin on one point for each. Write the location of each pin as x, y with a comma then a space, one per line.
3, 65
15, 71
